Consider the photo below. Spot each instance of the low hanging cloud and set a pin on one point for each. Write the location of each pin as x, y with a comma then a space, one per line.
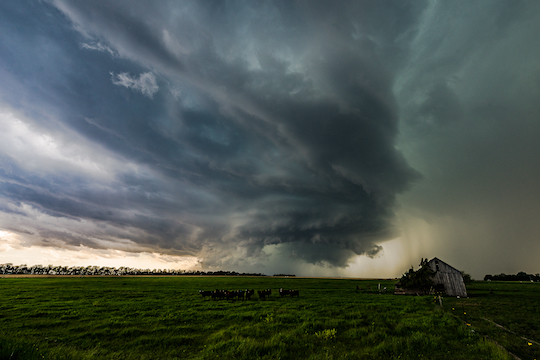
274, 131
146, 82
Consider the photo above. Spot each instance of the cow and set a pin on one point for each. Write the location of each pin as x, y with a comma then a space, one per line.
249, 293
219, 294
264, 293
205, 293
283, 292
235, 294
291, 293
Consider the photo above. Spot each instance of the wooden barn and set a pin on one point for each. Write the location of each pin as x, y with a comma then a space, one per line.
448, 277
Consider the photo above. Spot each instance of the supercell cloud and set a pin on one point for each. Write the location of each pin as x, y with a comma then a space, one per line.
231, 130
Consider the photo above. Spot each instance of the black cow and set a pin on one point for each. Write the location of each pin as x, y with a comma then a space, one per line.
249, 293
219, 294
264, 293
205, 293
230, 294
235, 294
291, 293
283, 292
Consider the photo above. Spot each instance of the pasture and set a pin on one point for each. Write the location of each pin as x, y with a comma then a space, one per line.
167, 318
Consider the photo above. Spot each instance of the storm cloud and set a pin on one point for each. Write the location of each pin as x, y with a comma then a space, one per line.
231, 131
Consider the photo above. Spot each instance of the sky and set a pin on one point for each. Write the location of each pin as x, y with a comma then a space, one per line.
315, 138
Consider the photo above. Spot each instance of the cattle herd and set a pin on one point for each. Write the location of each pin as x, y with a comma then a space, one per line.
245, 294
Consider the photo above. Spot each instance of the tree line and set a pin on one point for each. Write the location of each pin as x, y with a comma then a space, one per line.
520, 276
10, 269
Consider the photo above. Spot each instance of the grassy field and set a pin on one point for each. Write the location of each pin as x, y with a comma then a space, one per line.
166, 318
507, 312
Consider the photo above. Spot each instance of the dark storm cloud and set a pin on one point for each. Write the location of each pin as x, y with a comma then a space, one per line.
217, 129
255, 124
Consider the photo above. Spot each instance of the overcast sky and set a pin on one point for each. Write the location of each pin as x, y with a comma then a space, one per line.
307, 137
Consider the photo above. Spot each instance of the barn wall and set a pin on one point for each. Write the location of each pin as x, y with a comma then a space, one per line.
450, 277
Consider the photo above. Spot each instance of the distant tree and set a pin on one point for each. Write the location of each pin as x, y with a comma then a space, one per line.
522, 276
488, 277
421, 279
467, 278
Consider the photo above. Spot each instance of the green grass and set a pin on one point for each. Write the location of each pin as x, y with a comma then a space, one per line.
166, 318
513, 305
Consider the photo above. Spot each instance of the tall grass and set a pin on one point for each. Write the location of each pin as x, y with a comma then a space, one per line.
166, 318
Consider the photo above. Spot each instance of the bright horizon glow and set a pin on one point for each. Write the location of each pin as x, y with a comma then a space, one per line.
12, 251
387, 265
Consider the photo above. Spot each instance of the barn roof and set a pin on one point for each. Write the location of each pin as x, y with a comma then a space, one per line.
440, 261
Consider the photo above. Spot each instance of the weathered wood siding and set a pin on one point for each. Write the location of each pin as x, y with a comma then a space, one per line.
448, 276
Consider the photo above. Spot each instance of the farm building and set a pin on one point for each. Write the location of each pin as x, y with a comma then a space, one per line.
448, 276
445, 278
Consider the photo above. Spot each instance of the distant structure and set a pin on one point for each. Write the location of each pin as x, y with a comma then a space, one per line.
445, 278
448, 278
